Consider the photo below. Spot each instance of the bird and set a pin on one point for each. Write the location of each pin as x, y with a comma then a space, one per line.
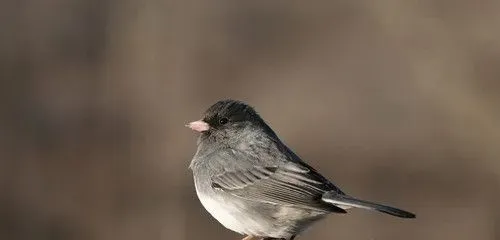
255, 185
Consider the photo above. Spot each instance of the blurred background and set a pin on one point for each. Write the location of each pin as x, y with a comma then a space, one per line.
395, 101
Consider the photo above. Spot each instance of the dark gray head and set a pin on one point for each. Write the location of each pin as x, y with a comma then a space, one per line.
227, 119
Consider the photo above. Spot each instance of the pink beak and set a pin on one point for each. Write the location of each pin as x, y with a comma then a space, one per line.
199, 126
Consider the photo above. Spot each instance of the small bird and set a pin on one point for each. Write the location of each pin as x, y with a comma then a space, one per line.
253, 184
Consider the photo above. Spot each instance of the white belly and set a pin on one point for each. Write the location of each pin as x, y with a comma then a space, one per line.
229, 212
225, 213
252, 218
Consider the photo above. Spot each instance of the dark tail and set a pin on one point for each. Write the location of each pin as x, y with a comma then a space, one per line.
343, 200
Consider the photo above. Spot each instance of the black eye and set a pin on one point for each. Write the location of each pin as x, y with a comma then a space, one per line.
223, 121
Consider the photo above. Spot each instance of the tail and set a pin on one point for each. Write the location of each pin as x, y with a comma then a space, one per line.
346, 201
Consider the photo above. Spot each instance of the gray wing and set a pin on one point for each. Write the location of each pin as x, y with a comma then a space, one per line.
289, 184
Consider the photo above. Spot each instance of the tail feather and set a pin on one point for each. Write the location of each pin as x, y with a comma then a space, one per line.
344, 200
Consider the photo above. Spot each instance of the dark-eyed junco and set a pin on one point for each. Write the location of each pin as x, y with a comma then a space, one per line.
253, 184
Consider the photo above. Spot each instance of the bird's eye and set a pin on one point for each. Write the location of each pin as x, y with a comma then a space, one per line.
223, 121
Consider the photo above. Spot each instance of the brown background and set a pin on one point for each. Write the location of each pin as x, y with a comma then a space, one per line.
396, 101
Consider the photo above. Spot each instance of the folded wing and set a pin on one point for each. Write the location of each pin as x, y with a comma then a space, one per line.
289, 184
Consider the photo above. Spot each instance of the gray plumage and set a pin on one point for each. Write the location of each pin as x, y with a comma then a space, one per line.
254, 184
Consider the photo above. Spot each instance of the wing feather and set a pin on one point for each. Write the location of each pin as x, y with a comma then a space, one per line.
290, 184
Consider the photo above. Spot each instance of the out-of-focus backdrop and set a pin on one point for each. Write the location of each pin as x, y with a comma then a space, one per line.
395, 101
